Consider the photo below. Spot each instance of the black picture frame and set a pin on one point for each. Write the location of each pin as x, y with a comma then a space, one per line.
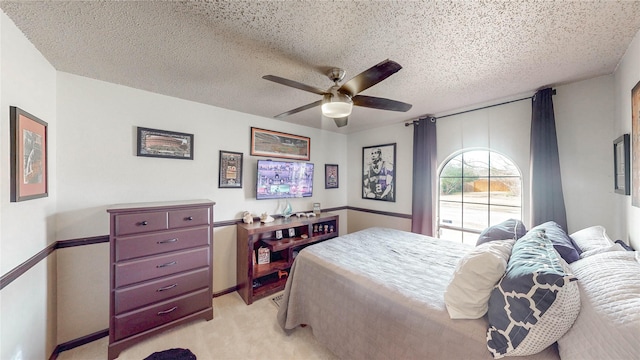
622, 165
29, 156
378, 175
230, 170
164, 144
331, 176
279, 145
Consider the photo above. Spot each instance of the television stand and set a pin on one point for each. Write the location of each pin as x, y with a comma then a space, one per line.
283, 238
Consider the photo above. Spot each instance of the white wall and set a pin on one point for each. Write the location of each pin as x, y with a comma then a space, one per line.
98, 167
627, 75
584, 123
27, 305
403, 168
504, 129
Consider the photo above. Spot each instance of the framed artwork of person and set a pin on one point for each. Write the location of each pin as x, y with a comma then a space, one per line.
378, 173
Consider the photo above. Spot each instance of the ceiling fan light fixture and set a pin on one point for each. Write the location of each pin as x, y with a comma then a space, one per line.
336, 105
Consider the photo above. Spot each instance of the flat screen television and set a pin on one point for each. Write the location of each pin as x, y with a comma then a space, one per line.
284, 179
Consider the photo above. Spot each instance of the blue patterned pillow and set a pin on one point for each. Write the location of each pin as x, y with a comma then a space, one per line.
564, 245
535, 302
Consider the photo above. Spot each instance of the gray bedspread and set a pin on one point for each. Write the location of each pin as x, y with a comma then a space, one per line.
379, 294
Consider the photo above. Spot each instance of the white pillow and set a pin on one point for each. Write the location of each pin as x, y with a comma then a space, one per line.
591, 238
608, 326
476, 274
614, 247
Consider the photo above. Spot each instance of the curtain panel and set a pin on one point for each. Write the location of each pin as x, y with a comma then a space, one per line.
424, 175
546, 198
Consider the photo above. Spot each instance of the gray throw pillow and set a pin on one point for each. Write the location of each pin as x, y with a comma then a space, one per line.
511, 229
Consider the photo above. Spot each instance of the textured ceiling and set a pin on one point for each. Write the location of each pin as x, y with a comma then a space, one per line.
454, 53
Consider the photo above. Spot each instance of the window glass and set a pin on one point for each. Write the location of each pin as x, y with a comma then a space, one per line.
477, 188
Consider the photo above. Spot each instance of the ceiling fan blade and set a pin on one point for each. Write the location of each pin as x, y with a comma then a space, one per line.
340, 122
294, 84
297, 110
380, 103
370, 77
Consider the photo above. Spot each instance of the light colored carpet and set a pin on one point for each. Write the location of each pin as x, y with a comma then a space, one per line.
237, 331
276, 300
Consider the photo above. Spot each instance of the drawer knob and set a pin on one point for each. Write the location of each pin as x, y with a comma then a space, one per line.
167, 288
165, 312
167, 264
168, 241
189, 218
144, 223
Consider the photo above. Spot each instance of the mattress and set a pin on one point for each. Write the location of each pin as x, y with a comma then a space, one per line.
379, 294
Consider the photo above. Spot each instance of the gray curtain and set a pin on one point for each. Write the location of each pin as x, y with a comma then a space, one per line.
547, 201
424, 175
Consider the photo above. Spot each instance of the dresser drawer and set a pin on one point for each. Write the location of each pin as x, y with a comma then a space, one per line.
141, 222
146, 318
153, 291
130, 247
188, 217
134, 271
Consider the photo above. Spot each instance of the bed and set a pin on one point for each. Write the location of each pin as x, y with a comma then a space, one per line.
379, 294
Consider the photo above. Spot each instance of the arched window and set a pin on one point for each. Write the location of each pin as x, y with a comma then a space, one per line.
477, 188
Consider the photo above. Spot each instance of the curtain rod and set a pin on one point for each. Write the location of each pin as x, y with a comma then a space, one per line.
480, 108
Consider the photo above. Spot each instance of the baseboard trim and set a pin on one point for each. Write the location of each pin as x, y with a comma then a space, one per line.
78, 342
225, 291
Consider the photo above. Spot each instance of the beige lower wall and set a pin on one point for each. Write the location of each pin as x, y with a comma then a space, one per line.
83, 278
359, 220
29, 316
83, 290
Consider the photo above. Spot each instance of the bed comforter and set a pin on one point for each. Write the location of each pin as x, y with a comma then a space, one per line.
379, 294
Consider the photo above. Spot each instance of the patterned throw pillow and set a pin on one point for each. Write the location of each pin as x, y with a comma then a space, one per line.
564, 245
536, 301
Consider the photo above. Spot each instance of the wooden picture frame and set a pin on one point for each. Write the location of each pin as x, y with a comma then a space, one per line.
164, 144
29, 170
635, 145
279, 145
378, 174
622, 166
331, 176
230, 170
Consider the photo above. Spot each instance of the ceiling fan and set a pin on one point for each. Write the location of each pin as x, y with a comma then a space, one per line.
338, 101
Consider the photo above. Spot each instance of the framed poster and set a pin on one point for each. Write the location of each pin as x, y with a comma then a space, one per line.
621, 166
330, 176
164, 144
635, 145
280, 145
230, 170
378, 176
29, 179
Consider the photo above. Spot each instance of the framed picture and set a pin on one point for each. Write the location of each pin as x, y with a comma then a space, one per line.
164, 144
378, 176
330, 176
635, 144
621, 165
280, 145
292, 232
230, 171
29, 178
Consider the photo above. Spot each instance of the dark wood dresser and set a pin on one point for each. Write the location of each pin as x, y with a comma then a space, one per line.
161, 268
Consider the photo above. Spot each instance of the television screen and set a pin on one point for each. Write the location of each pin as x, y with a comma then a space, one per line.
284, 179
